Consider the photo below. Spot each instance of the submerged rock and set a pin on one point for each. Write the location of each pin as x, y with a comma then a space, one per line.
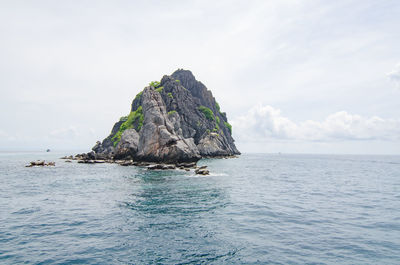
175, 121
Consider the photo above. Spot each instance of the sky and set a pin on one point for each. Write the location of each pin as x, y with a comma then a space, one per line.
293, 76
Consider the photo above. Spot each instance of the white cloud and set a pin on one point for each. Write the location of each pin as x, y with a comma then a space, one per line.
395, 75
263, 123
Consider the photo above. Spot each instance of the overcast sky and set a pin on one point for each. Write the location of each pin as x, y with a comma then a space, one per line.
293, 76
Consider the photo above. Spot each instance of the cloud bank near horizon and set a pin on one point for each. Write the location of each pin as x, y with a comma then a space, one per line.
263, 123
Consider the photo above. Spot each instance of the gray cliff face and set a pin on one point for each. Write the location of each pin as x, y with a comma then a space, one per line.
158, 140
176, 120
129, 144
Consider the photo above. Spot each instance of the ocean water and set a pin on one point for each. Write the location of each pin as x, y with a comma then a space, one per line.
256, 209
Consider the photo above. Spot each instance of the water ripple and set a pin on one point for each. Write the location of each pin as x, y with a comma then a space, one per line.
257, 209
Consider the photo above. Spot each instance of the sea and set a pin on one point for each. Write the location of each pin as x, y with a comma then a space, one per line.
255, 209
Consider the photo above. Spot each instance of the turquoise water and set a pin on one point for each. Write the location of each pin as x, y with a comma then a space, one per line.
256, 209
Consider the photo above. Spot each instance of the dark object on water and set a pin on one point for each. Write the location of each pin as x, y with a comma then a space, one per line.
48, 150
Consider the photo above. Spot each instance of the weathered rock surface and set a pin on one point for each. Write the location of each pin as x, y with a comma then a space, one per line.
128, 146
175, 121
158, 140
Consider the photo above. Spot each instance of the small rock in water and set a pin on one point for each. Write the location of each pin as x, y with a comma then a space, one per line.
40, 163
202, 171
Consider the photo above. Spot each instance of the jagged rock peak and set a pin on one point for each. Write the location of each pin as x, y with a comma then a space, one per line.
185, 76
174, 120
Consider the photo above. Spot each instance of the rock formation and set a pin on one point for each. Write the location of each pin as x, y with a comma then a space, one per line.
172, 121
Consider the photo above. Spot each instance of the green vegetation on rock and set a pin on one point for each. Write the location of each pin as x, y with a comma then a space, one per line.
116, 138
207, 112
215, 131
139, 95
217, 106
228, 126
128, 124
141, 119
217, 121
170, 95
160, 89
177, 80
171, 112
154, 84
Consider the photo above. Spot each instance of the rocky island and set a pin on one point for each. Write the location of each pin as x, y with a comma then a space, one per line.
176, 120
